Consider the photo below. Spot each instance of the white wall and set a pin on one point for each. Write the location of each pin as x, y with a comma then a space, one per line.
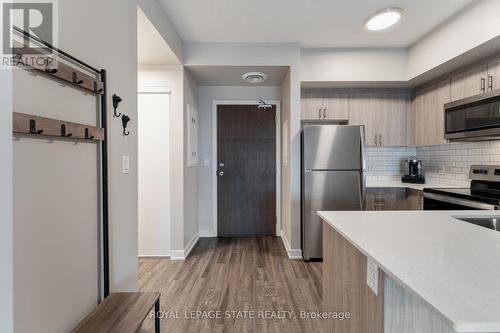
358, 65
155, 13
286, 207
6, 225
173, 77
57, 307
183, 180
190, 94
206, 96
154, 173
473, 26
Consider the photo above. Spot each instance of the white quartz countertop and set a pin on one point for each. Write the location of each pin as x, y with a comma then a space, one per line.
452, 266
396, 183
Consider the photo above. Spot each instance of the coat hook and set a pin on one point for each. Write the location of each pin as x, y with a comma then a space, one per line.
63, 132
87, 135
50, 70
76, 80
116, 100
125, 120
96, 89
33, 127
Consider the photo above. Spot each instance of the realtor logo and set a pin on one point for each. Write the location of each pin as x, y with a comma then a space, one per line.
37, 18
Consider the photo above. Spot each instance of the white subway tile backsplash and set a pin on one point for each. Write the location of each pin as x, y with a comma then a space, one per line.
387, 163
456, 158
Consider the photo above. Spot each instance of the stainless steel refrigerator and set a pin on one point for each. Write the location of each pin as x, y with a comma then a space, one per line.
333, 178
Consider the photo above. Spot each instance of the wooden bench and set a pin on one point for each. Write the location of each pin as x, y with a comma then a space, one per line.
121, 312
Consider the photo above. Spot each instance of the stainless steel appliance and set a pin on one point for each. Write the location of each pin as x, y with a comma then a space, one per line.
473, 118
333, 178
413, 171
483, 194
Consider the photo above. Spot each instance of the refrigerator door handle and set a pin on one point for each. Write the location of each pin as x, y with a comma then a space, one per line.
362, 183
362, 148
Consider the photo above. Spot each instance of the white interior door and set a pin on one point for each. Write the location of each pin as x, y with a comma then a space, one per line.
154, 174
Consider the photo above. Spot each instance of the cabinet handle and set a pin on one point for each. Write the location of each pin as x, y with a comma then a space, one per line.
376, 142
319, 113
483, 84
490, 82
324, 113
380, 139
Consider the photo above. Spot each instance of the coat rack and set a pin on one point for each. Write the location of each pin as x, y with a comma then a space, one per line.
71, 74
29, 124
60, 71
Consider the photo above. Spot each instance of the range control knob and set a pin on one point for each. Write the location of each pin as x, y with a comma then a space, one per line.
475, 171
484, 172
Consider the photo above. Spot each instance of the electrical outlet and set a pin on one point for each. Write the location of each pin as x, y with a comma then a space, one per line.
372, 275
441, 169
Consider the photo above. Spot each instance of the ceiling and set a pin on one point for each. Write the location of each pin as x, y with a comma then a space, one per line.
231, 75
312, 23
151, 47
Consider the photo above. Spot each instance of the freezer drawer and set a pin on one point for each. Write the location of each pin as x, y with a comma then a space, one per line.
333, 147
323, 191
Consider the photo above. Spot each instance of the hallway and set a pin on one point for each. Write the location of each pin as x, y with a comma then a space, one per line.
240, 277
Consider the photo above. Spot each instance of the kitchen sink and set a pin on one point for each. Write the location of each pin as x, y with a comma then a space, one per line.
490, 222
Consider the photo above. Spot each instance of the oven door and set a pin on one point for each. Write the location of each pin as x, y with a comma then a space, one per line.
434, 201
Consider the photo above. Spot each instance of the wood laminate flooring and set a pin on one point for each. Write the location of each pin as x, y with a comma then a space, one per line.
244, 275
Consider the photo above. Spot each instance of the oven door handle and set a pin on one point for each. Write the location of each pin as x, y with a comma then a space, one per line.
461, 202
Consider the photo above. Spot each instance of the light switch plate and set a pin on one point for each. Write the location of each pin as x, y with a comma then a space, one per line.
372, 275
125, 164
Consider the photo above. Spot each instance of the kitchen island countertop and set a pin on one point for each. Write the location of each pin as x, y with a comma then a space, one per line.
452, 266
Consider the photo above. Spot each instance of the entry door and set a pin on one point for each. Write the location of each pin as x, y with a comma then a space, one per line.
246, 170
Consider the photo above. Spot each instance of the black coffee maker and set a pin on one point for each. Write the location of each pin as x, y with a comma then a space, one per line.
413, 171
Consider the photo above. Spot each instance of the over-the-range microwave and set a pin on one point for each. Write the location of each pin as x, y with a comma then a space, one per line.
474, 118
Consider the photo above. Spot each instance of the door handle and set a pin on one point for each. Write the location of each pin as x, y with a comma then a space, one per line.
490, 82
324, 113
483, 84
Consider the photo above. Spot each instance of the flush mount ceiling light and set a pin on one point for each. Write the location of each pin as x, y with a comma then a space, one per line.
384, 19
254, 77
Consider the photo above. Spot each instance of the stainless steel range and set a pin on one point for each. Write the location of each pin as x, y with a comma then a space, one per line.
483, 194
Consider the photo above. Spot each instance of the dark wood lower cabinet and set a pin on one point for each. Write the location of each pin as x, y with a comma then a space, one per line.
345, 288
393, 199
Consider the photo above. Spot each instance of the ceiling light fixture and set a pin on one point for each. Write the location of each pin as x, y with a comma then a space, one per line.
384, 19
254, 77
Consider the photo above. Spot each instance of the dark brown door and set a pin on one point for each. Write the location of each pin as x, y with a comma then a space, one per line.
246, 170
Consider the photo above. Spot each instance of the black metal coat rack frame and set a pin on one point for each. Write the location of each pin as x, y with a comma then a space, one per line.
27, 124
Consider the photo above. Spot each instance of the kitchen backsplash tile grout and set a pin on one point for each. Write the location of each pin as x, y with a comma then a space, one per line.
446, 164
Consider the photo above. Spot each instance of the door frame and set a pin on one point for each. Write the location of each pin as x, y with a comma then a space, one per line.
216, 103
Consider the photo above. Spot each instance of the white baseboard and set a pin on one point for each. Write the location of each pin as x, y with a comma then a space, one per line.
183, 254
154, 256
294, 254
206, 233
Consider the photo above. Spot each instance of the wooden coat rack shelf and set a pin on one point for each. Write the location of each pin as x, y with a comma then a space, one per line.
57, 70
29, 124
